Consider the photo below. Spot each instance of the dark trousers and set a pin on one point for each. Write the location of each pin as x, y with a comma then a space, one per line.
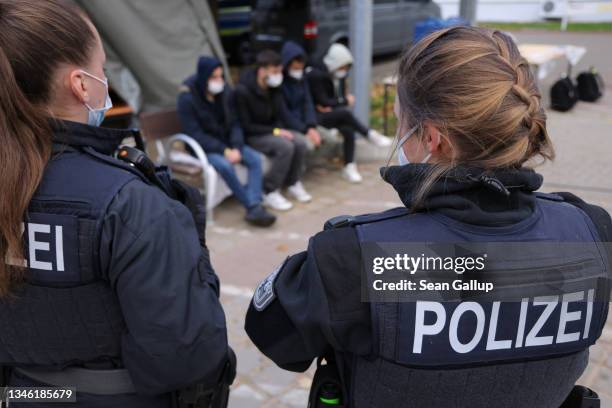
347, 124
286, 157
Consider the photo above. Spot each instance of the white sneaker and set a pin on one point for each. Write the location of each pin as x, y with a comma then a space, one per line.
299, 192
276, 201
351, 173
379, 139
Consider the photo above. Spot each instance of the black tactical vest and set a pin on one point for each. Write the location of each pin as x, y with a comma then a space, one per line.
66, 314
459, 345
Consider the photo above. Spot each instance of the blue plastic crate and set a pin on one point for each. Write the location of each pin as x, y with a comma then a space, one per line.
431, 24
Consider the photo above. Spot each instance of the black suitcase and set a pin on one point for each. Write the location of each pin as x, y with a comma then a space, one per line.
590, 85
563, 95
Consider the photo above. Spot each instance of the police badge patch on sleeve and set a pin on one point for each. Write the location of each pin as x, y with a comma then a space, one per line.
264, 294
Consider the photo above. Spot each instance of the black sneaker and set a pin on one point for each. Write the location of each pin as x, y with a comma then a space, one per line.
259, 216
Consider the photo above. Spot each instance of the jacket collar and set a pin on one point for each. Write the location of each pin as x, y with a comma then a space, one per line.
103, 140
461, 195
319, 65
249, 79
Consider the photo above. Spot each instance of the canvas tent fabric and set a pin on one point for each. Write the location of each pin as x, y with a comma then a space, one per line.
152, 46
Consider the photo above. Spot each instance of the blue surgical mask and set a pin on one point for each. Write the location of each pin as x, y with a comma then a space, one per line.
96, 116
401, 156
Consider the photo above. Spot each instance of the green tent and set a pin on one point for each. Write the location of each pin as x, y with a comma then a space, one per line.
152, 46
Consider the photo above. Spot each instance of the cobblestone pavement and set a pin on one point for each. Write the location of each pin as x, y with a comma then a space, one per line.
243, 255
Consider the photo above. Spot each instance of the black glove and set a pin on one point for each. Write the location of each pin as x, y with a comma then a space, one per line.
192, 199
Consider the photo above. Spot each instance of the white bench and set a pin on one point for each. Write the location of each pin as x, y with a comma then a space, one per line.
164, 129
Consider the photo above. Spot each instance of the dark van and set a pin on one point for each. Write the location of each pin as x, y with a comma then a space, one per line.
234, 22
316, 24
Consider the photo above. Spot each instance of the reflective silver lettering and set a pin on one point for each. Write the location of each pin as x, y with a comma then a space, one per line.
35, 245
532, 337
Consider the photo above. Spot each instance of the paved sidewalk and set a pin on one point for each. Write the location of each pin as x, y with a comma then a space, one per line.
243, 255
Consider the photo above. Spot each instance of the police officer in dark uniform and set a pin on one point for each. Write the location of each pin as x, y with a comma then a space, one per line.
107, 285
470, 119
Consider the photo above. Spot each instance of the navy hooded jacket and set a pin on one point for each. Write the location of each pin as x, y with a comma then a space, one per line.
297, 92
212, 124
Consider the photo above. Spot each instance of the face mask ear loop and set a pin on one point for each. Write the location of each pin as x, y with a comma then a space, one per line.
406, 136
105, 83
399, 144
426, 158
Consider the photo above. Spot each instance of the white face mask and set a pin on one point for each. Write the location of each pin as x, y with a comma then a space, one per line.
274, 80
401, 156
341, 74
216, 86
296, 74
95, 117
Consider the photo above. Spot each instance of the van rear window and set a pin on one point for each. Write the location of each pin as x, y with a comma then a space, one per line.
335, 3
281, 4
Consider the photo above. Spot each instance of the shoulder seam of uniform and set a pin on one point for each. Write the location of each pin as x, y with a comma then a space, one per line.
386, 215
170, 209
116, 163
112, 199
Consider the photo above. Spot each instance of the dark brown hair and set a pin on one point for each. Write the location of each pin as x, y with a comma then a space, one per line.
35, 38
474, 85
267, 58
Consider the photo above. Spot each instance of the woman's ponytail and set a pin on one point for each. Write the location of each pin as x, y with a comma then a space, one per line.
35, 38
474, 85
25, 146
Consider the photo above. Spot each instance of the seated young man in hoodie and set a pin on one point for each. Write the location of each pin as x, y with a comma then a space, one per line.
264, 117
296, 93
205, 108
332, 101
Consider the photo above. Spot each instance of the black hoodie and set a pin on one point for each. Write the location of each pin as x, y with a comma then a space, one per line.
259, 110
323, 88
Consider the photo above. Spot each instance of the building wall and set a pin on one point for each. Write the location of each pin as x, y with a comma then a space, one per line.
532, 10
